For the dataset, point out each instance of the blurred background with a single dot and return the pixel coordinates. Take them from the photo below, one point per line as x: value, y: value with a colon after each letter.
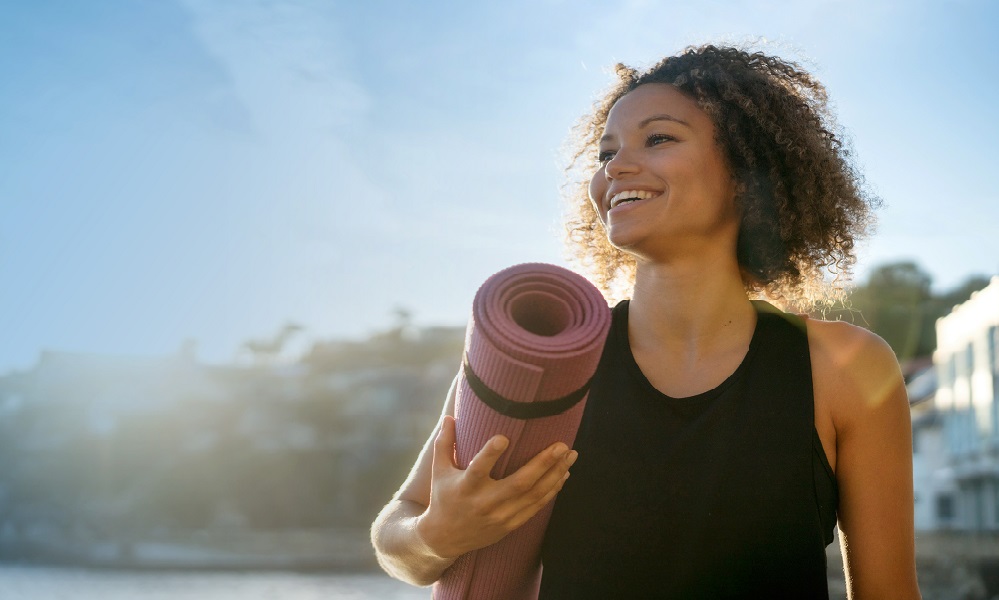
x: 239, y: 241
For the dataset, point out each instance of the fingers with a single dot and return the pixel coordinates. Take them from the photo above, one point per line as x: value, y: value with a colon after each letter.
x: 525, y: 477
x: 543, y: 492
x: 515, y: 499
x: 482, y: 463
x: 525, y: 514
x: 534, y: 484
x: 555, y: 456
x: 556, y: 474
x: 541, y: 488
x: 444, y: 445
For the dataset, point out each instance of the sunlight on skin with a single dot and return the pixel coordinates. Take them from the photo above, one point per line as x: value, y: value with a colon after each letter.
x: 866, y: 364
x: 863, y: 419
x: 875, y: 385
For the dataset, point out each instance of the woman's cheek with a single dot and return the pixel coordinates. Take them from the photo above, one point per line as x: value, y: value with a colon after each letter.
x: 597, y: 191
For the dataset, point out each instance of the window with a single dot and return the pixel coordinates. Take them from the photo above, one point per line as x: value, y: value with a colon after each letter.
x: 993, y: 338
x: 945, y: 507
x: 969, y: 360
x: 945, y: 373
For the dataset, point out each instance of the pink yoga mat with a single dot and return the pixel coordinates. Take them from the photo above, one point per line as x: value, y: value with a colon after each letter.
x: 532, y: 345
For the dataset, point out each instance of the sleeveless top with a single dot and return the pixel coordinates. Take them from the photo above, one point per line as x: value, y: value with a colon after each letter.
x: 726, y: 494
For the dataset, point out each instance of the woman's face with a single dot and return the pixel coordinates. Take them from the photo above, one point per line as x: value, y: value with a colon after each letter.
x: 663, y: 185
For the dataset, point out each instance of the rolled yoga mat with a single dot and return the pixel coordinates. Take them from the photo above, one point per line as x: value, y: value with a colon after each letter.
x: 533, y: 343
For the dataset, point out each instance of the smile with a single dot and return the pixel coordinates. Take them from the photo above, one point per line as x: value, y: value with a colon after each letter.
x: 631, y: 196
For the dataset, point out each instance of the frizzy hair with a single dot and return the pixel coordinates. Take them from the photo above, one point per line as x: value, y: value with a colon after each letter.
x: 802, y: 203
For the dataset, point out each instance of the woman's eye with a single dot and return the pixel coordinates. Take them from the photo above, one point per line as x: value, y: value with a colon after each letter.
x: 658, y: 138
x: 604, y: 156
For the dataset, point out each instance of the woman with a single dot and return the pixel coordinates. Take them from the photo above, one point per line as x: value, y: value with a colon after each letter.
x: 722, y: 439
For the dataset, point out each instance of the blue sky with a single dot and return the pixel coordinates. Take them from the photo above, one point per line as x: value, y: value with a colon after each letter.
x: 209, y: 170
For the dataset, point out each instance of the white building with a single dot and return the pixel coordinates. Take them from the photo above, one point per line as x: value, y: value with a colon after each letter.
x: 967, y: 363
x: 932, y: 476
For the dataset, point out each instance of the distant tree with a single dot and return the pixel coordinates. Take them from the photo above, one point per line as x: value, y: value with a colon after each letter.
x: 898, y: 307
x: 403, y: 318
x: 897, y: 303
x: 266, y: 350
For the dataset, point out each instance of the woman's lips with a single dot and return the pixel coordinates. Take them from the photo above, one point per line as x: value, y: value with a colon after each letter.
x: 629, y: 197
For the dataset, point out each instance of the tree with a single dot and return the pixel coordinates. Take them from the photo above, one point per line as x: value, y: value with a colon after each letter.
x: 898, y: 304
x: 265, y: 351
x: 899, y: 308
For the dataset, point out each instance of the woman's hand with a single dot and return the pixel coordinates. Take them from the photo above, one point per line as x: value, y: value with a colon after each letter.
x: 470, y: 510
x: 442, y: 512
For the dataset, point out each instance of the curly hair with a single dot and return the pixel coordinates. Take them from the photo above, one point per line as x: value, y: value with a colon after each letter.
x: 801, y: 201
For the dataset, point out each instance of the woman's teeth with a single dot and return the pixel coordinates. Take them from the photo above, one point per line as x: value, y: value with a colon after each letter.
x: 631, y: 196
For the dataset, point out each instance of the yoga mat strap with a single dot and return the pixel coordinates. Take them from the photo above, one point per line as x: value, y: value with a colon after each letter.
x: 521, y: 410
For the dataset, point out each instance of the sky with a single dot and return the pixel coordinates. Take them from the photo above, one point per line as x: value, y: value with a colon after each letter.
x: 178, y: 171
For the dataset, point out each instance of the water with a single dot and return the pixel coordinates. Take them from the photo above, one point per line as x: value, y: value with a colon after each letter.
x: 56, y: 583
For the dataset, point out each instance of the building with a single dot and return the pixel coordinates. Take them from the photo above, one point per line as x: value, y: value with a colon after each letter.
x: 933, y: 484
x: 967, y: 364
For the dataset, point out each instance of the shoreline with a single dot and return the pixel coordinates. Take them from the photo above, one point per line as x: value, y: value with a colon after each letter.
x: 291, y: 551
x: 311, y: 568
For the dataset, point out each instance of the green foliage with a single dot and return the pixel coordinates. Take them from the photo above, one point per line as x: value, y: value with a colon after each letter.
x: 897, y: 303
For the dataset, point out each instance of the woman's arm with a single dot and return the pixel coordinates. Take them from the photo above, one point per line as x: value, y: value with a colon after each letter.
x: 442, y: 512
x: 857, y: 379
x: 400, y: 550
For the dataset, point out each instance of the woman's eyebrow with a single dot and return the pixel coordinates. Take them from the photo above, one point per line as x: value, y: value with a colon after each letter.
x: 662, y: 117
x: 646, y: 121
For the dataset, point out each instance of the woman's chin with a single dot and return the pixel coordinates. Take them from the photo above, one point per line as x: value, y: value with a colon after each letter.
x: 624, y: 236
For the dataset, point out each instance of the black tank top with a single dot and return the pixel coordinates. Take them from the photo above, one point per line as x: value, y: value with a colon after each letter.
x: 727, y: 494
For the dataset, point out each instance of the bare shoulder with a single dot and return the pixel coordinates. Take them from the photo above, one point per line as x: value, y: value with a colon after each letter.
x: 841, y: 345
x: 853, y: 370
x: 862, y: 416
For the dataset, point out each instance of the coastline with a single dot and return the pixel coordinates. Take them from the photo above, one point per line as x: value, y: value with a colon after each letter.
x: 328, y: 550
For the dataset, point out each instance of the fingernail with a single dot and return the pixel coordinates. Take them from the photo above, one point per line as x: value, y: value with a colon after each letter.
x: 559, y: 451
x: 571, y: 459
x: 499, y: 443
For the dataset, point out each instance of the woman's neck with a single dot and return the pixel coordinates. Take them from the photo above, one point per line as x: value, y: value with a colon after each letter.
x: 694, y: 308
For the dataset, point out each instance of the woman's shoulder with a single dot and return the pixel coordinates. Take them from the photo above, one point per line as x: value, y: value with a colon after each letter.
x: 840, y: 345
x: 853, y: 369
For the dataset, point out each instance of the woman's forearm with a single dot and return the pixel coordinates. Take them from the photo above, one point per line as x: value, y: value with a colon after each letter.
x: 399, y: 547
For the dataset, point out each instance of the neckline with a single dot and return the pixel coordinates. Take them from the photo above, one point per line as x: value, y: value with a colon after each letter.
x: 762, y: 308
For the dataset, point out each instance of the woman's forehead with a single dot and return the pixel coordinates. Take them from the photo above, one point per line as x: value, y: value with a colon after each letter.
x: 651, y: 102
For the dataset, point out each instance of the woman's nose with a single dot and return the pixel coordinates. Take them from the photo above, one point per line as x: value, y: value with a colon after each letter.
x: 622, y: 163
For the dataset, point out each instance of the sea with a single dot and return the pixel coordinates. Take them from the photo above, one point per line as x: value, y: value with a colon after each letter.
x: 21, y: 582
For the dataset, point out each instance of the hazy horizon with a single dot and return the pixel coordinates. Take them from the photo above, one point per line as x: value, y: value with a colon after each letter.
x: 211, y: 171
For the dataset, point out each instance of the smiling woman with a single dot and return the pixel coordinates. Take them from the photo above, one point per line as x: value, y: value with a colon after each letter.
x: 723, y: 440
x: 664, y: 175
x: 778, y: 139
